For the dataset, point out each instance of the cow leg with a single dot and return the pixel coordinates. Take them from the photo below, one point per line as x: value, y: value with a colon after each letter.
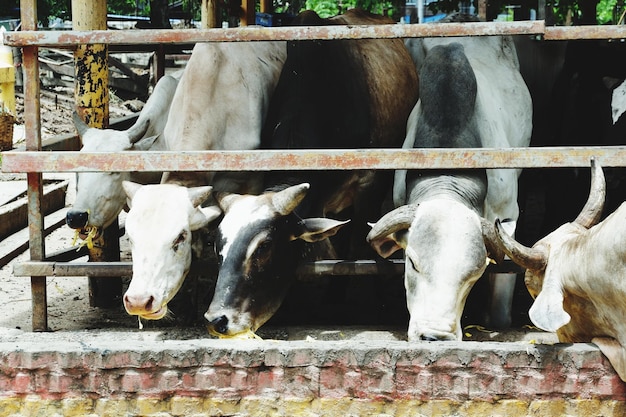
x: 501, y: 289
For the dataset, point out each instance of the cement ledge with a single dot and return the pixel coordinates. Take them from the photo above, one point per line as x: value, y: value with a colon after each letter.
x: 362, y: 370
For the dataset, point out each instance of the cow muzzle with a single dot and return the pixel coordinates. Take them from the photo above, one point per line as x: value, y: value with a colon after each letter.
x: 144, y: 306
x: 76, y: 219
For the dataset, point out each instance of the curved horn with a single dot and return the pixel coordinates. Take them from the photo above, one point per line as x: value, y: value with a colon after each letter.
x: 495, y: 251
x: 79, y: 124
x: 287, y: 200
x: 529, y: 258
x: 131, y: 188
x: 136, y: 131
x: 398, y: 219
x: 225, y: 199
x: 592, y: 211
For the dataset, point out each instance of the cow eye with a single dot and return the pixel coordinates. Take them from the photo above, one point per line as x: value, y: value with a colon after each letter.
x: 180, y: 239
x: 263, y: 251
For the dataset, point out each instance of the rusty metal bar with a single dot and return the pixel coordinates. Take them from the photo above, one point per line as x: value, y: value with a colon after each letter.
x: 32, y: 126
x: 263, y: 160
x: 317, y: 268
x: 560, y: 33
x: 60, y: 39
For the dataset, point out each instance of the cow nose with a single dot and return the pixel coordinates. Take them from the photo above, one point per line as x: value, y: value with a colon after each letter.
x: 220, y: 324
x: 76, y: 219
x: 138, y: 302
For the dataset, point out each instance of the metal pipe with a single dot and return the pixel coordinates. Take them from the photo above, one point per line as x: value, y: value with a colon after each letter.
x: 313, y: 159
x: 65, y: 39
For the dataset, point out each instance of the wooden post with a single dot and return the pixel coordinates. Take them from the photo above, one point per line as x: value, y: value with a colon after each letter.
x: 249, y: 12
x: 91, y: 93
x: 209, y: 15
x: 266, y: 6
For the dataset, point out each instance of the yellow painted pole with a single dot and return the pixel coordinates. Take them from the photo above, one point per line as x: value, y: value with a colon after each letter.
x: 91, y: 86
x: 91, y: 93
x: 7, y: 77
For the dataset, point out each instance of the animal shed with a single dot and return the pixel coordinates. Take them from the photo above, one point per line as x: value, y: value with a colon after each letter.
x: 596, y: 381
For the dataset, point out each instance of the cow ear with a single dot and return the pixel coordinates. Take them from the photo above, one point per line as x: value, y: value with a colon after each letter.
x: 203, y: 216
x: 614, y: 352
x: 130, y: 188
x: 387, y: 245
x: 319, y: 228
x: 547, y: 311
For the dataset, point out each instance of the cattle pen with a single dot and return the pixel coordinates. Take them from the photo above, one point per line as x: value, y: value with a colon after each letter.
x: 227, y: 377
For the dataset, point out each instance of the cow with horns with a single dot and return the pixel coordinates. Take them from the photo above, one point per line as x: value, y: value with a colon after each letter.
x: 220, y: 104
x: 100, y: 197
x: 471, y: 96
x: 576, y: 276
x: 332, y: 94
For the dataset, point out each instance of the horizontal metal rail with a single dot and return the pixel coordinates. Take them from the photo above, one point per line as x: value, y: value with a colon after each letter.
x: 317, y: 268
x: 61, y: 39
x: 263, y: 160
x: 70, y: 39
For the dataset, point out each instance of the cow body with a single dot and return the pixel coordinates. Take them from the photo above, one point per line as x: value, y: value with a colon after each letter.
x: 99, y: 195
x: 576, y: 275
x: 220, y: 104
x: 332, y: 94
x: 471, y: 95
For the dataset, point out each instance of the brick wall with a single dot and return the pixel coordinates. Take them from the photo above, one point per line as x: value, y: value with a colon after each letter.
x: 343, y: 378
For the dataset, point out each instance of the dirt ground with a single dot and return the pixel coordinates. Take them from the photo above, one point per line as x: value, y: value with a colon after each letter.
x: 70, y: 316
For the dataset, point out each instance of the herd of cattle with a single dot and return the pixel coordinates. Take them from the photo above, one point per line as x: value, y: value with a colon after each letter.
x: 349, y: 94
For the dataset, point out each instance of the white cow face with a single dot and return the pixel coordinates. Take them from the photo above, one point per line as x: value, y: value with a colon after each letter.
x: 159, y: 226
x: 99, y: 195
x: 445, y: 254
x: 259, y: 244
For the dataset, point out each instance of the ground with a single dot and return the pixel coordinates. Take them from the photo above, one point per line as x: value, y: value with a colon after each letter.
x: 71, y: 317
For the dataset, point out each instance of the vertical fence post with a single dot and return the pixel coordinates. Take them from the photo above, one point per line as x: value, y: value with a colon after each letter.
x: 208, y: 14
x: 91, y: 92
x: 32, y: 126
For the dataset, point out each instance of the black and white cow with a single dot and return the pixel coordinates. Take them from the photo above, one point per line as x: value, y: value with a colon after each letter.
x: 471, y: 96
x: 331, y: 94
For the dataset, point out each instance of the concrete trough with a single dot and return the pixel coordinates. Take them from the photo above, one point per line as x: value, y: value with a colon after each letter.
x: 344, y: 372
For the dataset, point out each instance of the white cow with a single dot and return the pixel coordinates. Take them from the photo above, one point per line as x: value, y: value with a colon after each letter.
x: 221, y: 104
x: 576, y: 275
x: 99, y: 195
x: 471, y: 95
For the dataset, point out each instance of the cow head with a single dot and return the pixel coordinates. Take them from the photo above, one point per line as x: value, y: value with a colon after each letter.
x: 575, y: 290
x: 446, y: 247
x: 543, y: 276
x: 99, y: 195
x: 259, y: 244
x: 159, y: 225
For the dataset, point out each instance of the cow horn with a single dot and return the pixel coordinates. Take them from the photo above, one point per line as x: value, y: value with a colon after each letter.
x: 398, y: 219
x: 79, y: 124
x: 136, y: 131
x: 529, y: 258
x: 287, y: 200
x: 198, y: 195
x: 592, y: 211
x: 225, y: 199
x: 494, y: 250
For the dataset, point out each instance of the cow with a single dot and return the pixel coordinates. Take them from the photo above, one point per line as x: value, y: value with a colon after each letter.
x: 220, y: 104
x: 471, y: 96
x: 100, y: 197
x: 331, y: 94
x: 575, y: 275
